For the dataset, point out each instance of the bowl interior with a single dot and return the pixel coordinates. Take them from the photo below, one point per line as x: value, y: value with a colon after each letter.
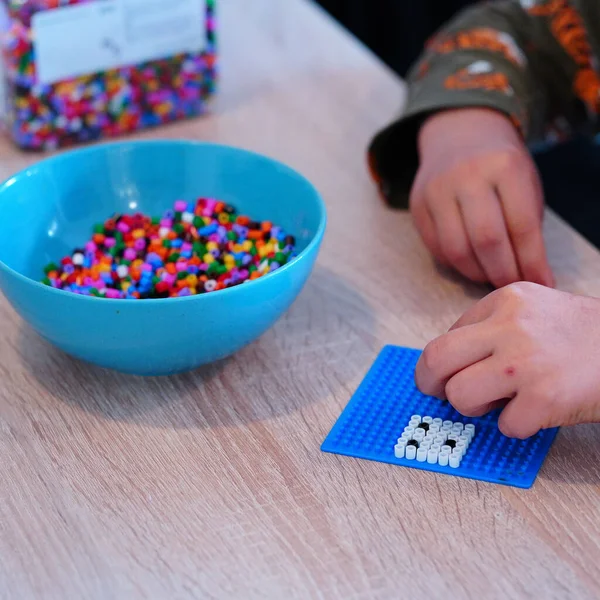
x: 49, y: 209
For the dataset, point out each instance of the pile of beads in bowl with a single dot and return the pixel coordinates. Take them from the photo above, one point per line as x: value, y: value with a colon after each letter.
x: 193, y: 249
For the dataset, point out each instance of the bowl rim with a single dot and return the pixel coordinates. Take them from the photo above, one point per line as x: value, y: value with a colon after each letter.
x: 102, y: 146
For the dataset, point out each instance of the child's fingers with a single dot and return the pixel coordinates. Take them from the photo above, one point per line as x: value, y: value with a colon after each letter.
x: 479, y: 311
x: 474, y: 391
x: 453, y: 240
x: 521, y: 417
x: 484, y: 221
x: 520, y: 195
x: 449, y: 354
x: 426, y: 228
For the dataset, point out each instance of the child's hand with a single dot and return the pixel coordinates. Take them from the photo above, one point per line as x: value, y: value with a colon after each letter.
x: 477, y: 199
x: 537, y: 347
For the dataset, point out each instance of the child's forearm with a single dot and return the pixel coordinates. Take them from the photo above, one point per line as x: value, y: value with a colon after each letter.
x: 500, y: 56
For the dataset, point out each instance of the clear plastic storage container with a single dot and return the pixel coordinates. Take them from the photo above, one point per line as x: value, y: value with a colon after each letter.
x: 80, y: 70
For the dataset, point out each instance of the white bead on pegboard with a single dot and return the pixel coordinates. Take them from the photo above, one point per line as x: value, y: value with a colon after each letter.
x: 410, y: 452
x: 443, y: 459
x: 454, y: 461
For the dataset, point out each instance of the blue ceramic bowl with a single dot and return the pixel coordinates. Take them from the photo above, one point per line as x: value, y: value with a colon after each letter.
x: 50, y: 208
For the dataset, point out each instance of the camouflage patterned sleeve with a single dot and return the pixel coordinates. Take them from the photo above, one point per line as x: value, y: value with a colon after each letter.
x: 530, y: 60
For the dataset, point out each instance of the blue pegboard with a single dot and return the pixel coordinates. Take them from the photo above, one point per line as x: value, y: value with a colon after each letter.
x: 376, y: 415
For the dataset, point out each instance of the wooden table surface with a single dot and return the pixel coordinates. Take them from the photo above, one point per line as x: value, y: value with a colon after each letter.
x: 212, y: 484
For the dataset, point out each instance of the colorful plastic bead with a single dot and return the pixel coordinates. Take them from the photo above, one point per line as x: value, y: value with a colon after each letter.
x: 139, y: 257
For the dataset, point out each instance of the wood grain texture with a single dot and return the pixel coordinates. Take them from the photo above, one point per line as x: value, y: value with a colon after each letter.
x: 211, y: 484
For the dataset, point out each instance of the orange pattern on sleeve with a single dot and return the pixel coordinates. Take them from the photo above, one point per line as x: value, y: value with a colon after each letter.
x: 482, y: 38
x: 568, y: 28
x: 491, y: 82
x: 481, y: 75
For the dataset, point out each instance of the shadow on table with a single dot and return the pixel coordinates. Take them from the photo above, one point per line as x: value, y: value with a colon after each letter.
x: 474, y: 291
x: 575, y: 456
x: 278, y: 375
x: 566, y: 271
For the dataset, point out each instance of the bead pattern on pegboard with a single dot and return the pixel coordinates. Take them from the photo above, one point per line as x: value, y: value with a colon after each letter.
x: 434, y: 441
x: 387, y: 401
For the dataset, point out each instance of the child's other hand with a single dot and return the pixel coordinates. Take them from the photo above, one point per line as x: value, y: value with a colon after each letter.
x: 477, y: 198
x: 534, y: 346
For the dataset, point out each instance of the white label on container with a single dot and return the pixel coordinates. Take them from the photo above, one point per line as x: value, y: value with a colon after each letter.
x: 86, y: 38
x: 4, y: 104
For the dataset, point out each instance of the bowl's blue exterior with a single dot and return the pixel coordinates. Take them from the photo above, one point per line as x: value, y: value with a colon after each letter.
x: 50, y: 208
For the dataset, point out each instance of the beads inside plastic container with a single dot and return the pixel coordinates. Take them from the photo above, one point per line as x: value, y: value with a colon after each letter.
x: 80, y: 70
